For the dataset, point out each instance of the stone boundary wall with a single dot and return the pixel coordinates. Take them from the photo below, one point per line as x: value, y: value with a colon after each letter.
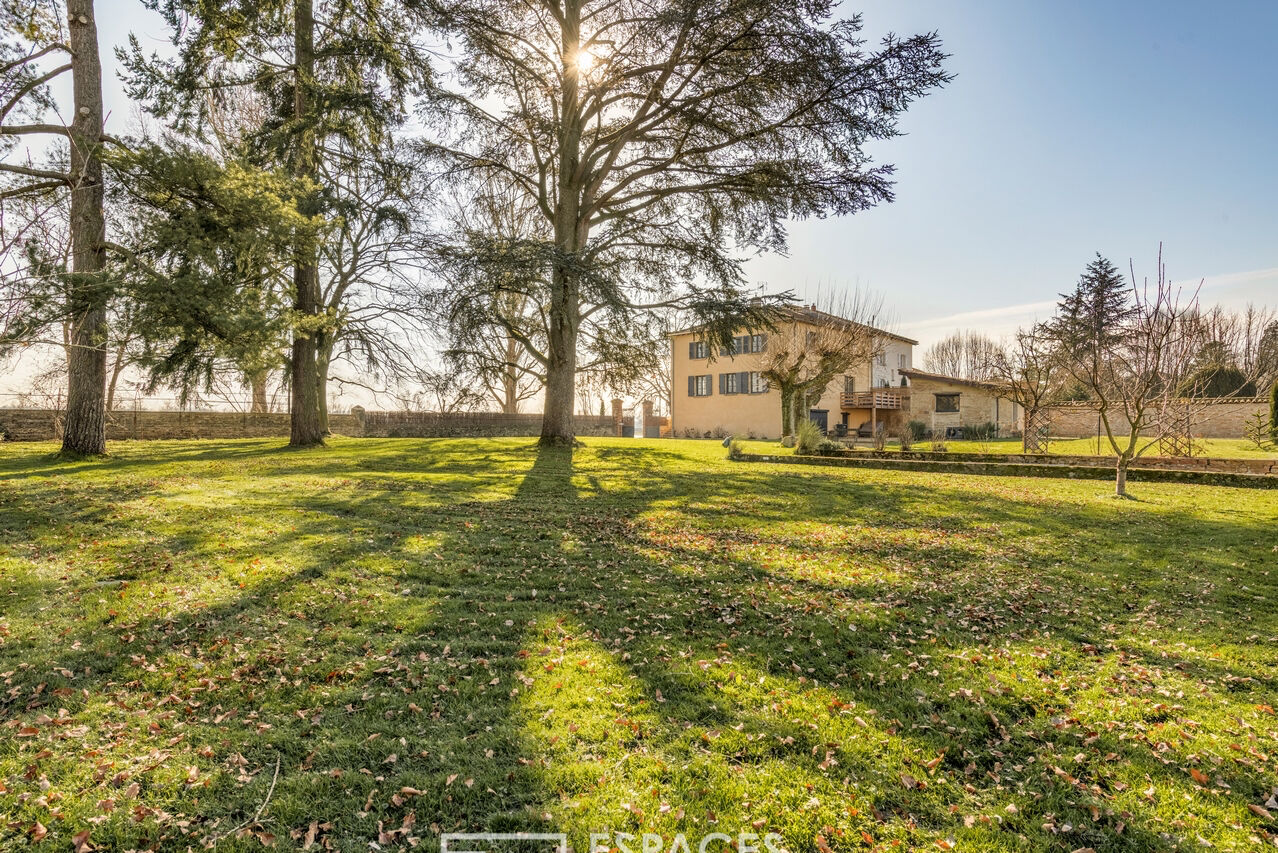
x: 1220, y: 419
x: 1006, y: 469
x: 466, y: 424
x: 46, y: 425
x: 1162, y: 463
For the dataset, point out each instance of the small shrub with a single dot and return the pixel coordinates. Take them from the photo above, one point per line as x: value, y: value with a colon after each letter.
x: 917, y: 430
x: 736, y: 449
x: 880, y: 437
x: 808, y: 437
x: 719, y: 432
x: 1273, y: 412
x: 907, y: 440
x: 827, y: 447
x: 938, y: 441
x: 1258, y: 431
x: 980, y: 432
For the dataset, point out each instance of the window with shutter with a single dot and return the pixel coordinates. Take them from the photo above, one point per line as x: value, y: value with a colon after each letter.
x: 692, y: 386
x: 723, y: 383
x: 743, y: 382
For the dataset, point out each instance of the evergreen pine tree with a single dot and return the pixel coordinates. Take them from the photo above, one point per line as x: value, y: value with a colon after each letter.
x: 335, y: 78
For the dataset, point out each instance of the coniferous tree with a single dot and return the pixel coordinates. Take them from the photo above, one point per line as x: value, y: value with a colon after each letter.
x: 335, y: 78
x: 657, y: 140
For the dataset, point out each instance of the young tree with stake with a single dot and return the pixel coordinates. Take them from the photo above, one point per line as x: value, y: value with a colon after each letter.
x: 1130, y: 347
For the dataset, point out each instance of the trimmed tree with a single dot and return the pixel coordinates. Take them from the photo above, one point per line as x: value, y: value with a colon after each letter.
x: 808, y: 348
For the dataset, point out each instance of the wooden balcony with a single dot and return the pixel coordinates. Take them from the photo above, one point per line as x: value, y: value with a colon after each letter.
x: 877, y: 399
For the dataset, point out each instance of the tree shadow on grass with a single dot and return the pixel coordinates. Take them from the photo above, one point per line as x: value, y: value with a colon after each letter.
x: 353, y: 649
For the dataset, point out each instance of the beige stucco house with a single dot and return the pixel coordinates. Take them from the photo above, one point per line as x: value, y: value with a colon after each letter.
x: 944, y: 402
x: 722, y: 393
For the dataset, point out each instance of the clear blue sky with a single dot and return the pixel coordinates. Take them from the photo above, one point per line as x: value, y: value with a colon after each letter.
x: 1070, y: 128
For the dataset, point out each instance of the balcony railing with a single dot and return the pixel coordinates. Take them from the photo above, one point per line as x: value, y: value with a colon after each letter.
x: 872, y: 400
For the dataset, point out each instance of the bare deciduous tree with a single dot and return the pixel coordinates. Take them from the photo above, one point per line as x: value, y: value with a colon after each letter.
x: 964, y: 354
x: 1027, y: 367
x: 35, y: 38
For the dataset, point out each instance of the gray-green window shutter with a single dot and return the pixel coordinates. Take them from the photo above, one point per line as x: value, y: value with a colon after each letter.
x: 692, y: 386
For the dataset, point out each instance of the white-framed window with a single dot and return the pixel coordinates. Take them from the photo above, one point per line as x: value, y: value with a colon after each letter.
x: 758, y: 385
x: 730, y: 383
x: 902, y: 360
x: 758, y: 343
x: 881, y: 359
x: 698, y: 349
x: 700, y: 386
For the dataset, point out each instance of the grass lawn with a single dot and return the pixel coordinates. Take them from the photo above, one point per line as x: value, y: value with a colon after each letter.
x: 1220, y: 448
x: 450, y: 635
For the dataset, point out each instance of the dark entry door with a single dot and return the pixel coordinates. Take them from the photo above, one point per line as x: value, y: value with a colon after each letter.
x: 820, y: 417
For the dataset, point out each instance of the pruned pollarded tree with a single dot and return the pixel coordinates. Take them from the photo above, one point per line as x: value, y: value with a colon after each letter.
x: 808, y: 348
x: 1129, y: 345
x: 657, y: 140
x: 965, y: 354
x: 40, y: 42
x: 1028, y: 369
x: 335, y: 78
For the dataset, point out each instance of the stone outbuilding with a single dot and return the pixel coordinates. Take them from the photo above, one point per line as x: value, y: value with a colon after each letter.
x: 946, y: 404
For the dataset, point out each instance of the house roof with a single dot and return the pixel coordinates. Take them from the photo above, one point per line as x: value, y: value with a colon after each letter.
x: 913, y: 374
x: 811, y: 314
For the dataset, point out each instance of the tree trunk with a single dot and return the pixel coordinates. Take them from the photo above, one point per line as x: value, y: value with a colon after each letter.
x: 787, y: 412
x: 85, y: 429
x: 510, y: 379
x: 257, y: 382
x: 557, y: 427
x: 307, y: 428
x: 323, y: 357
x: 117, y: 367
x: 1120, y: 478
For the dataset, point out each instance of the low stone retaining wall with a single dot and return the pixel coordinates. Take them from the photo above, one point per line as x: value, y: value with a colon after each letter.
x: 1162, y: 463
x: 1010, y: 469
